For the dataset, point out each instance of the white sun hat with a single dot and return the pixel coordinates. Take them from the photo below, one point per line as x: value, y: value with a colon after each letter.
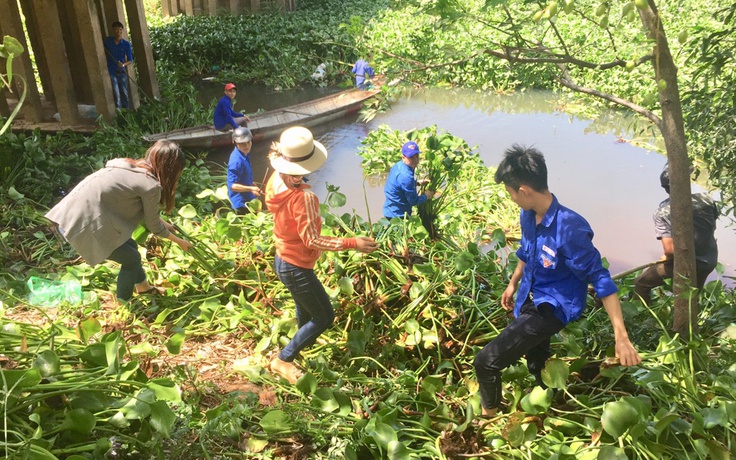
x: 297, y: 153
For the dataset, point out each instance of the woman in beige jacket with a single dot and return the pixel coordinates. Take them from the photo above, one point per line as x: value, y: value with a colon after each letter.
x: 99, y: 215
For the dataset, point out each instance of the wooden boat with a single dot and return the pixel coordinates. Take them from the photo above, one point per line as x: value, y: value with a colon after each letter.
x: 272, y: 123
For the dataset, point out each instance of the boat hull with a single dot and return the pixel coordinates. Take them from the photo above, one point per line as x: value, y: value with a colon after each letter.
x: 270, y: 124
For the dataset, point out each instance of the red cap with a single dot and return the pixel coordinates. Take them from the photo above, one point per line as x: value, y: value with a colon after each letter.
x: 230, y: 86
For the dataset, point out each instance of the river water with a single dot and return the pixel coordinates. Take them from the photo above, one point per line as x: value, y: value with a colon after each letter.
x: 613, y: 184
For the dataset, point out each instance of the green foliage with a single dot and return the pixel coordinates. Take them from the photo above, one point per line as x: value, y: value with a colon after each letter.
x: 67, y: 397
x: 278, y: 49
x: 11, y: 48
x: 708, y: 102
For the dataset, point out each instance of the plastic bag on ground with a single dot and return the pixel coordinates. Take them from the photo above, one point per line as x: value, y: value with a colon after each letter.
x: 49, y: 293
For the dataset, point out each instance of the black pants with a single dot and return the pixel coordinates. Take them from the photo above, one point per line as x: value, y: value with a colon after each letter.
x: 131, y: 268
x: 528, y: 335
x: 656, y: 275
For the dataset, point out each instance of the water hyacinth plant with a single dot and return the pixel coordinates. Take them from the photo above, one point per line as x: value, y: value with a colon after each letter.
x: 392, y: 378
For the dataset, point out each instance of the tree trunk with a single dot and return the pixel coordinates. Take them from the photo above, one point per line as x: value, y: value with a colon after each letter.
x: 673, y: 132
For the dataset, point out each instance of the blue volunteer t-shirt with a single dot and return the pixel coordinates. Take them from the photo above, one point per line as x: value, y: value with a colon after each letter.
x: 117, y: 52
x: 239, y: 171
x: 362, y: 69
x: 401, y: 191
x: 560, y: 262
x: 224, y: 113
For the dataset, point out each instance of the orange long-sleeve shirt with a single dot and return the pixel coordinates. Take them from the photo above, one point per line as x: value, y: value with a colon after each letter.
x: 298, y: 224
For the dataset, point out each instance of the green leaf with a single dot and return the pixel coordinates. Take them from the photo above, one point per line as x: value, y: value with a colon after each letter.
x: 464, y: 261
x: 139, y: 407
x: 537, y: 401
x: 618, y: 417
x: 346, y: 285
x: 187, y: 211
x: 12, y: 45
x: 275, y: 421
x: 555, y: 373
x: 384, y: 434
x: 15, y: 380
x: 175, y: 342
x: 256, y: 445
x: 80, y: 421
x: 713, y: 417
x: 14, y: 194
x: 325, y: 400
x: 397, y: 451
x: 307, y: 384
x: 336, y: 200
x: 424, y: 269
x: 87, y: 328
x: 162, y: 418
x: 513, y: 432
x: 47, y: 363
x: 411, y: 326
x: 165, y: 389
x: 357, y: 342
x: 612, y: 453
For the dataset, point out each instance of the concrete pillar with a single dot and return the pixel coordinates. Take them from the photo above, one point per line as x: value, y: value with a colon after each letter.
x: 96, y: 62
x: 11, y: 24
x: 34, y: 35
x: 54, y: 57
x: 73, y: 44
x: 147, y: 81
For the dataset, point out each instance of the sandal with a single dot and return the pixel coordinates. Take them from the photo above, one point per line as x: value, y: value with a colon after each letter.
x: 285, y: 370
x: 154, y: 291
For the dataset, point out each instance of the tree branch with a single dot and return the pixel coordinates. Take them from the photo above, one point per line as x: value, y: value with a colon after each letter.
x: 566, y: 81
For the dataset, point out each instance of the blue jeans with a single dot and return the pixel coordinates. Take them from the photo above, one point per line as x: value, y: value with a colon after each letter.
x: 131, y: 268
x: 528, y: 335
x: 314, y: 313
x: 120, y: 89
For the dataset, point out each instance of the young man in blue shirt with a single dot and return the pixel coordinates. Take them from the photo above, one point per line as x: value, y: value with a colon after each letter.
x: 240, y: 186
x: 225, y: 118
x: 401, y: 186
x: 119, y: 55
x: 557, y: 261
x: 363, y: 74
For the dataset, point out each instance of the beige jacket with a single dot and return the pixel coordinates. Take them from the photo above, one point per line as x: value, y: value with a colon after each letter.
x: 103, y: 210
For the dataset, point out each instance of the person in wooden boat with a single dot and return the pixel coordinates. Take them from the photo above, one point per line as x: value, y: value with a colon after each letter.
x: 557, y: 261
x: 299, y: 243
x: 99, y: 215
x: 119, y: 56
x: 240, y: 186
x: 705, y: 215
x: 225, y: 118
x: 363, y: 74
x: 401, y: 185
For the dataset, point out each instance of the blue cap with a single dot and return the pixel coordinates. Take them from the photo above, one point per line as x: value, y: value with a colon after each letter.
x: 410, y: 149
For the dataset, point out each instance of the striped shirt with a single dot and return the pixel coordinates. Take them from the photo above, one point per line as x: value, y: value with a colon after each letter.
x: 298, y: 224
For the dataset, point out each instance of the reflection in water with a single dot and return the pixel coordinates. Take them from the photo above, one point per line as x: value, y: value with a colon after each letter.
x: 613, y: 184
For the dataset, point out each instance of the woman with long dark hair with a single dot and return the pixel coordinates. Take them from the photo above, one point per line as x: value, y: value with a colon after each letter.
x: 99, y: 215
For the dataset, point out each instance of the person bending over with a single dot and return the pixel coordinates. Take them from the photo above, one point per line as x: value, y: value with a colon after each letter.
x: 99, y: 215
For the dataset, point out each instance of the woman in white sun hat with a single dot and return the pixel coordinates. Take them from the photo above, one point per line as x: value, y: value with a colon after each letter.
x: 297, y: 230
